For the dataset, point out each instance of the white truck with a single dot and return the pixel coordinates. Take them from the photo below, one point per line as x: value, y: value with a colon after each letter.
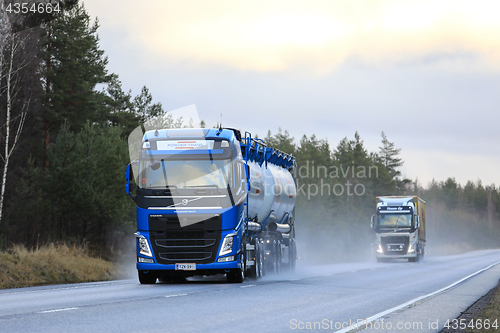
x: 399, y: 226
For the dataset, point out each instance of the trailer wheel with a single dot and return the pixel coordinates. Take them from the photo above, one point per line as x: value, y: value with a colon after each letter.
x: 293, y: 255
x: 277, y: 258
x: 269, y: 257
x: 262, y: 261
x: 147, y: 277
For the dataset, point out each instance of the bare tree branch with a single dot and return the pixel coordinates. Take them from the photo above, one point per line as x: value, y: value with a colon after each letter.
x: 14, y: 85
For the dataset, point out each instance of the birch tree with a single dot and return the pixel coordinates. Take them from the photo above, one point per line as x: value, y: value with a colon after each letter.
x: 11, y: 64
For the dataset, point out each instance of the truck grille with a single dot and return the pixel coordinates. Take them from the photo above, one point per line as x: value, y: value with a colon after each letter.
x: 193, y: 256
x: 173, y: 243
x: 196, y: 243
x: 395, y: 245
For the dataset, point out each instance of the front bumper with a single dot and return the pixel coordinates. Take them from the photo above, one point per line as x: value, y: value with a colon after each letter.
x: 201, y: 269
x: 395, y: 256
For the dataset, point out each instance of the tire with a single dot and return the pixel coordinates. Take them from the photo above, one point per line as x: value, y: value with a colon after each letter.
x: 262, y: 250
x: 293, y: 256
x: 277, y: 258
x: 422, y: 252
x: 147, y: 277
x: 255, y: 272
x: 236, y: 275
x: 412, y: 259
x: 269, y: 255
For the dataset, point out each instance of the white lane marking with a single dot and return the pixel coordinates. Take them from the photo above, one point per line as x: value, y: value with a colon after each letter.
x: 415, y: 300
x: 87, y: 285
x: 175, y: 295
x: 58, y: 310
x: 250, y: 285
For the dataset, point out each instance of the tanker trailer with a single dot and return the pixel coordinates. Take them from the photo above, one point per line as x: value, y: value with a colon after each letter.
x: 210, y: 201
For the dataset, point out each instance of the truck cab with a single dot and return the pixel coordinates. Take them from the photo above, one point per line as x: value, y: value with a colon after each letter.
x: 399, y: 225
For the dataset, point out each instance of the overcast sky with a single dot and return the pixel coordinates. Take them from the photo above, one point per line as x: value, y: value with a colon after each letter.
x: 427, y: 73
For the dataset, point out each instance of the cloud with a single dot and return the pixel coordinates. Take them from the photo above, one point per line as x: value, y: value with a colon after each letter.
x: 316, y: 35
x: 440, y: 165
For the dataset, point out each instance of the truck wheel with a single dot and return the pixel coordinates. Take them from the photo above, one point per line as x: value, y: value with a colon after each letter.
x: 421, y: 252
x: 277, y: 258
x: 236, y: 275
x: 262, y: 268
x: 255, y: 271
x: 293, y: 256
x: 269, y: 257
x: 147, y: 277
x: 412, y: 259
x: 259, y: 260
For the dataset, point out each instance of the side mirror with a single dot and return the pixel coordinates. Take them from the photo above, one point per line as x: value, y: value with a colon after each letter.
x: 127, y: 181
x: 247, y: 176
x: 417, y: 220
x: 373, y: 221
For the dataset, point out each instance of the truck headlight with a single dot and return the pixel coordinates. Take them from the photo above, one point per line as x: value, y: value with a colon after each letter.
x: 411, y: 248
x: 226, y: 259
x: 227, y: 245
x: 143, y: 245
x: 379, y: 249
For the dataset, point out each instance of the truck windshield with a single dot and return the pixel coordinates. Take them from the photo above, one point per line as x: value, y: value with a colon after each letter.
x: 185, y: 173
x: 394, y: 220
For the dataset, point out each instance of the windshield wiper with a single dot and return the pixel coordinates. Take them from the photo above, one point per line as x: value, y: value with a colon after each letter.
x: 212, y: 185
x: 168, y: 187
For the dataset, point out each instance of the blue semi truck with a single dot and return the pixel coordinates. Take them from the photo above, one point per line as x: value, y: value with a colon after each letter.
x: 211, y: 201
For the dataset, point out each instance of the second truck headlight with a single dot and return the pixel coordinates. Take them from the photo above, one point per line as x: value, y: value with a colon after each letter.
x: 227, y: 245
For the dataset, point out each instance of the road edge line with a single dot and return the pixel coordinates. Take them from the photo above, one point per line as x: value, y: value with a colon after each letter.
x: 413, y: 301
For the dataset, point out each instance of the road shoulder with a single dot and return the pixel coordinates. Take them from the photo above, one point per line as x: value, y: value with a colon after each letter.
x: 431, y: 314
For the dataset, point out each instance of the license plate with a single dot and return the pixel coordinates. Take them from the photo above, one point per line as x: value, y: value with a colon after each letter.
x: 185, y: 267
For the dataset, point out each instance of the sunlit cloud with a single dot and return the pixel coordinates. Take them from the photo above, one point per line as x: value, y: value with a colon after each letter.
x: 316, y: 35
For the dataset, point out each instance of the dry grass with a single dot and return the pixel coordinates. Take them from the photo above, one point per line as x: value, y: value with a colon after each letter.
x: 490, y: 314
x: 52, y: 264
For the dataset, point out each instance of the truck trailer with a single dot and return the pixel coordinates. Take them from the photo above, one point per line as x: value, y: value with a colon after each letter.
x: 399, y: 225
x: 211, y: 201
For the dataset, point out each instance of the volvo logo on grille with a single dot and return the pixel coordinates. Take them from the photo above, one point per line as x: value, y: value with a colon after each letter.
x: 184, y: 201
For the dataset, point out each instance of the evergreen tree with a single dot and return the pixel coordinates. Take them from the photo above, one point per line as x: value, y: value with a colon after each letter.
x: 282, y: 141
x: 144, y: 106
x: 388, y: 156
x: 79, y: 197
x: 451, y: 193
x: 74, y: 66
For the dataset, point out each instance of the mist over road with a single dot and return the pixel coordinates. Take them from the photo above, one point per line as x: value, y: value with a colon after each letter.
x: 326, y: 296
